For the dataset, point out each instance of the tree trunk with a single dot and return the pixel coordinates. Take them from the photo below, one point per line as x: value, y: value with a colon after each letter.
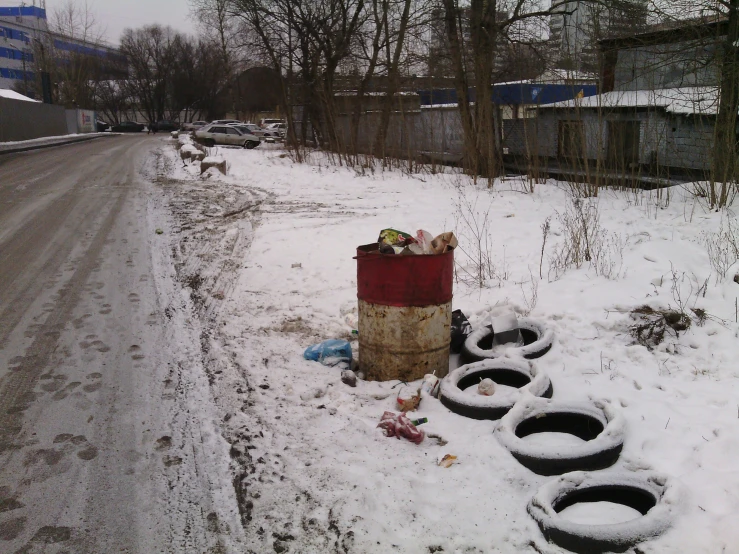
x: 364, y: 83
x: 470, y: 153
x: 484, y: 34
x: 725, y: 146
x: 393, y: 79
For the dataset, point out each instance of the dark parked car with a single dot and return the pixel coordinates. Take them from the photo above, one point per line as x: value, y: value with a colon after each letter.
x: 165, y: 125
x: 102, y: 126
x: 128, y: 127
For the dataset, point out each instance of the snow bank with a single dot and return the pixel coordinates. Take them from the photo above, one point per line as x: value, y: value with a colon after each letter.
x: 12, y: 95
x: 326, y: 466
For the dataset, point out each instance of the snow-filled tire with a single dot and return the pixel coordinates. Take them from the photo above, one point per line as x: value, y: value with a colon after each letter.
x: 537, y: 337
x: 651, y: 494
x: 521, y: 374
x: 602, y: 426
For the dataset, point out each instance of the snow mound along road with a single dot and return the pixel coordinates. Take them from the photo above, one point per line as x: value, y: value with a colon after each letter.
x: 514, y: 378
x: 650, y: 494
x: 538, y: 340
x: 601, y: 428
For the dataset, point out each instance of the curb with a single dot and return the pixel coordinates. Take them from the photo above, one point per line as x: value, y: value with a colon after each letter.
x: 60, y: 142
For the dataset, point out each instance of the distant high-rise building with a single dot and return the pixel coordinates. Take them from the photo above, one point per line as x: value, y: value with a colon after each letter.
x: 25, y: 38
x: 576, y: 28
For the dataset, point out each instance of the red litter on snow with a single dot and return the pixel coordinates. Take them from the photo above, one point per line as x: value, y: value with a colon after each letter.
x: 398, y: 425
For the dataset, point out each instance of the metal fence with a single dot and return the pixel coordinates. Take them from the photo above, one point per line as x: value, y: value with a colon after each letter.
x: 21, y: 120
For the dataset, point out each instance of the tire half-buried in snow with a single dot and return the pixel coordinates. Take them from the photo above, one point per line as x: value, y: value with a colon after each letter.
x: 651, y: 494
x: 537, y: 340
x: 598, y: 424
x: 516, y: 374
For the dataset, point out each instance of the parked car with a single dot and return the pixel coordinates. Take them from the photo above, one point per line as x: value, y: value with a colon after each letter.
x: 102, y: 126
x: 225, y: 121
x: 128, y: 127
x: 164, y: 125
x: 194, y: 125
x: 279, y: 128
x: 263, y: 123
x: 253, y: 129
x: 214, y: 134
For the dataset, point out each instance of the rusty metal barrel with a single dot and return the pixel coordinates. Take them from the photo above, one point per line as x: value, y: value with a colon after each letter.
x: 405, y: 314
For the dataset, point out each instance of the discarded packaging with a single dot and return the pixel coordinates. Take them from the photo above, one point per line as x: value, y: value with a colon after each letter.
x: 408, y: 399
x: 393, y: 237
x: 424, y: 239
x: 331, y: 352
x: 419, y: 421
x: 486, y: 387
x: 348, y: 377
x: 506, y: 331
x: 443, y: 243
x: 461, y: 328
x: 430, y: 385
x: 394, y: 242
x: 398, y: 425
x: 294, y: 266
x: 447, y: 460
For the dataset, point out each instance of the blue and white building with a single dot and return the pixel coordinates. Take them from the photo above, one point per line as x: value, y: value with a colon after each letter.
x: 25, y: 34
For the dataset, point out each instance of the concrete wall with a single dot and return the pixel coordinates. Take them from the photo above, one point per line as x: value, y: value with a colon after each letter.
x: 21, y: 120
x: 402, y: 135
x: 682, y: 64
x: 665, y: 140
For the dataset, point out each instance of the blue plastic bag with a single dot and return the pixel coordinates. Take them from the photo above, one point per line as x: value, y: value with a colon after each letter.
x: 330, y: 352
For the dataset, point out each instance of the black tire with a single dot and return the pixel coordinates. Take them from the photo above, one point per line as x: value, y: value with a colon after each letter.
x: 504, y: 371
x: 210, y: 143
x: 537, y: 338
x: 599, y: 424
x: 651, y: 494
x: 250, y: 144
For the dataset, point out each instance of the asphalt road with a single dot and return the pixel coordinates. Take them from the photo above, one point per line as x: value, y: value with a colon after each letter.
x: 103, y: 407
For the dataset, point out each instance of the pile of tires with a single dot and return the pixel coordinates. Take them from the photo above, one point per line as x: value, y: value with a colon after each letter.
x: 652, y: 495
x: 526, y: 409
x: 537, y: 341
x: 599, y: 425
x: 518, y: 374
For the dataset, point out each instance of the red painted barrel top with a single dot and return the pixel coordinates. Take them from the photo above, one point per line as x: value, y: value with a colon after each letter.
x: 391, y: 280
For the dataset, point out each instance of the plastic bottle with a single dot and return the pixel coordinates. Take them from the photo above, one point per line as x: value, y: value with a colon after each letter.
x: 430, y: 384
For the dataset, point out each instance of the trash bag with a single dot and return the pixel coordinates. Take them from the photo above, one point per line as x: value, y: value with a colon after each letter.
x: 330, y: 352
x: 460, y: 329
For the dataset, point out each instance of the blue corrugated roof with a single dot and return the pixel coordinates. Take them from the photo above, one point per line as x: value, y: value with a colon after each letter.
x: 30, y: 11
x: 515, y: 93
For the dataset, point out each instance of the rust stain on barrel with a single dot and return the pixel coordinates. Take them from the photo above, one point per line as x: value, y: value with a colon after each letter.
x: 403, y: 342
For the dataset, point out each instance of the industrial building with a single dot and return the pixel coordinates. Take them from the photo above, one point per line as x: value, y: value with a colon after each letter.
x: 25, y: 39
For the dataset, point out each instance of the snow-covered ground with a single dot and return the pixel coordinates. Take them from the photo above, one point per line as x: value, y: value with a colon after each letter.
x: 315, y: 473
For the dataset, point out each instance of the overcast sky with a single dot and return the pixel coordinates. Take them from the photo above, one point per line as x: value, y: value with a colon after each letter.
x: 116, y: 15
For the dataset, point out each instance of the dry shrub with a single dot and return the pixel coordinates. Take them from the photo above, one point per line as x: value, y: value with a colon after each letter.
x: 722, y: 247
x: 586, y: 241
x: 652, y: 324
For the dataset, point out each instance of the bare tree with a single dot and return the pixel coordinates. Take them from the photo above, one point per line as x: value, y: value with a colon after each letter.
x: 152, y: 54
x: 217, y: 24
x: 75, y: 71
